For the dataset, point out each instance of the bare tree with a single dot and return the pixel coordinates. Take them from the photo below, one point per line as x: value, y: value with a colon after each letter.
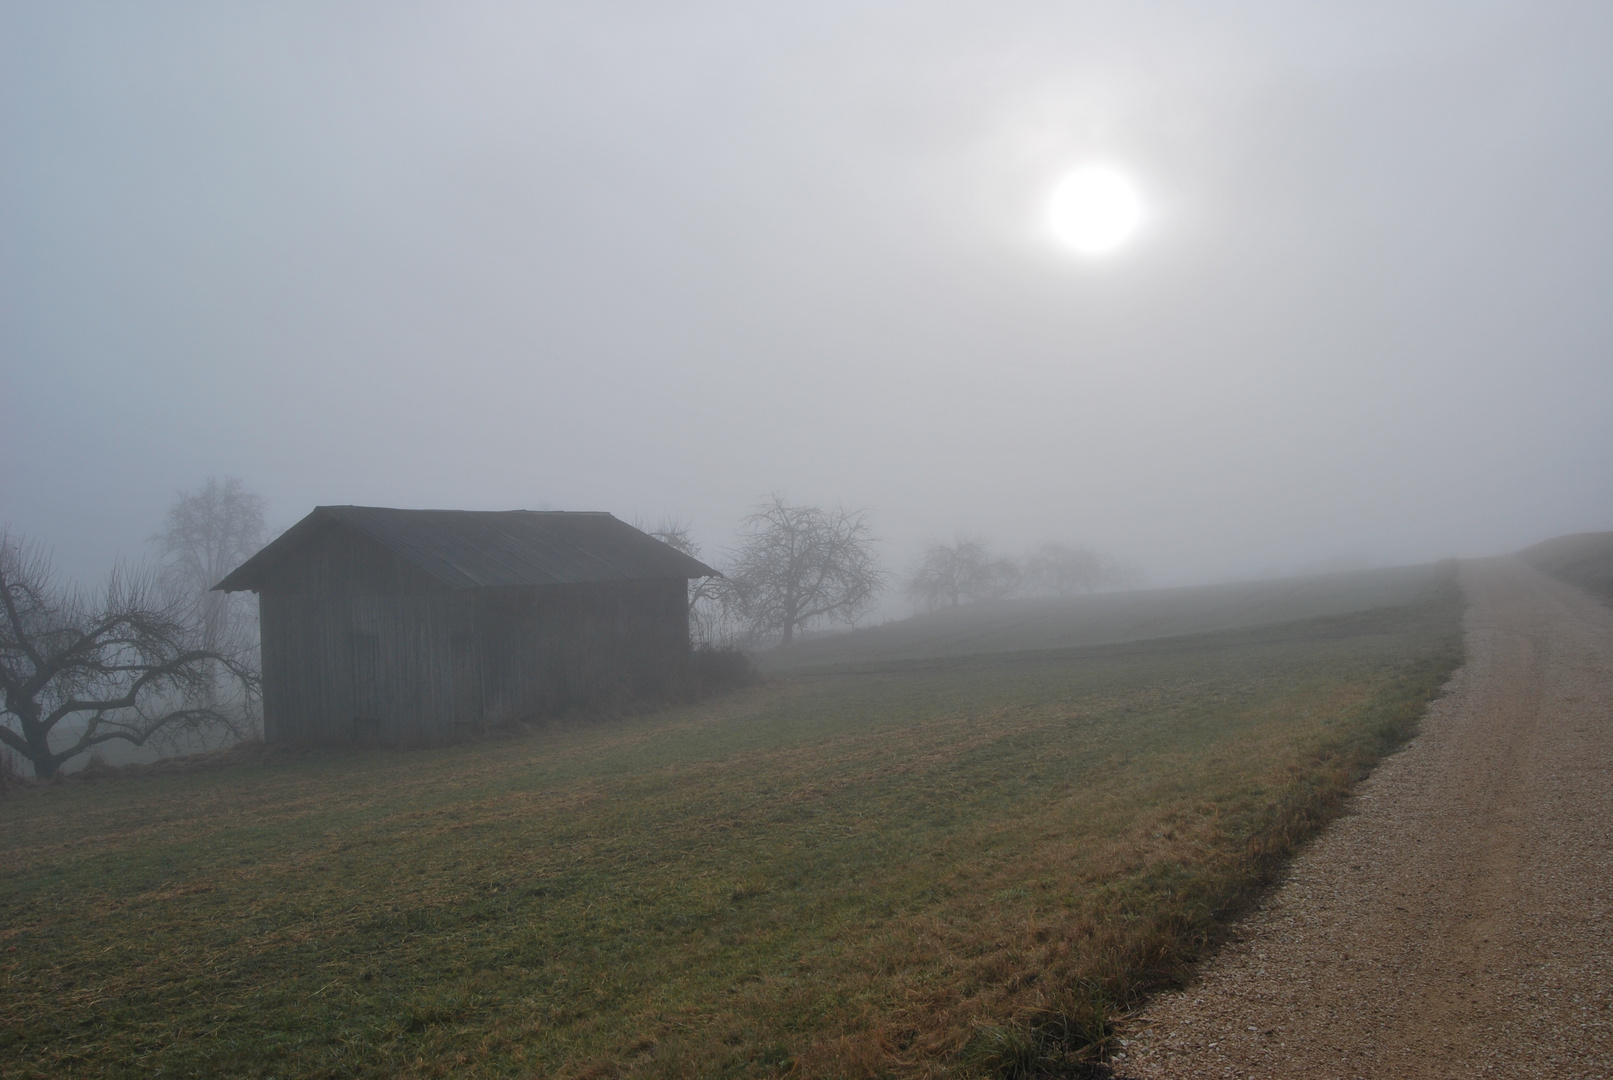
x: 963, y: 570
x: 797, y: 566
x: 1060, y: 570
x: 712, y: 600
x: 209, y: 533
x: 131, y: 665
x: 949, y: 573
x: 1003, y: 577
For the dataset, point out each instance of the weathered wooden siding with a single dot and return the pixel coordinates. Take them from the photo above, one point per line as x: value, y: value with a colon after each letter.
x: 548, y: 649
x: 360, y: 645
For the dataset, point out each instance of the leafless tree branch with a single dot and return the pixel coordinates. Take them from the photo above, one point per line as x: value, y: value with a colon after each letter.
x: 796, y: 566
x: 134, y: 664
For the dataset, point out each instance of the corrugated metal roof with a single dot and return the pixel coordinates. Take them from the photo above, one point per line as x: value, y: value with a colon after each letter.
x: 468, y: 549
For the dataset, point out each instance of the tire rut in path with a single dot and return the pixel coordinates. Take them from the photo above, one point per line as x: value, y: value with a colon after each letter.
x: 1459, y: 921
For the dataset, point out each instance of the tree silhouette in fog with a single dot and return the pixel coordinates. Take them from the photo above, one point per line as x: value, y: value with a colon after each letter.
x: 209, y: 533
x: 1060, y: 570
x: 132, y: 663
x: 798, y: 566
x: 962, y: 570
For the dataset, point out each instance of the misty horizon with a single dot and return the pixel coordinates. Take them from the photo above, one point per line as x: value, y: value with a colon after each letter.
x: 664, y: 262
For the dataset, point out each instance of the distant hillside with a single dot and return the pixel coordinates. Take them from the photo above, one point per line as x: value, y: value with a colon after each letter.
x: 1583, y: 559
x: 1104, y: 618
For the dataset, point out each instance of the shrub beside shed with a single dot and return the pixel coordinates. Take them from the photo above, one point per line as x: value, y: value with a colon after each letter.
x: 401, y: 626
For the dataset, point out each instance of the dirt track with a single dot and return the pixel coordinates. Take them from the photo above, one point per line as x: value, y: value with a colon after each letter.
x: 1460, y: 921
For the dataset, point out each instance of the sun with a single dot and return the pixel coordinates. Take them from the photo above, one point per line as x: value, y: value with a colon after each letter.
x: 1095, y: 210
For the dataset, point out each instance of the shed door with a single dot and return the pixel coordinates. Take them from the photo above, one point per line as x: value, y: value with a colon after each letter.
x: 366, y: 686
x: 467, y: 681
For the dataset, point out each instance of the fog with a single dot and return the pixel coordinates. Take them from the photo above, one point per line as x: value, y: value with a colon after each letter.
x: 662, y: 261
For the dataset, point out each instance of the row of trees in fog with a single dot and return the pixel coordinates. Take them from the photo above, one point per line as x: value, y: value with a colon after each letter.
x: 796, y: 568
x: 153, y: 657
x: 965, y: 571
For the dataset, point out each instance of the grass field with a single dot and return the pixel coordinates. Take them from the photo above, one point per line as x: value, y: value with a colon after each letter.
x: 955, y: 867
x: 1019, y: 623
x: 1584, y: 560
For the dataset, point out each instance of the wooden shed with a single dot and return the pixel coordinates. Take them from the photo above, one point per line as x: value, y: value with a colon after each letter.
x: 420, y: 625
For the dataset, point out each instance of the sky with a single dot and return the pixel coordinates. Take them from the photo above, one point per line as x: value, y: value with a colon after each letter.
x: 663, y: 259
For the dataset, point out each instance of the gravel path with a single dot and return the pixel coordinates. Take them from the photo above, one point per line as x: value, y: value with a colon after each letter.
x: 1459, y: 922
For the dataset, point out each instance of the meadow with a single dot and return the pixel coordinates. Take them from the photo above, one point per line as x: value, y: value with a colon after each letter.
x: 1021, y: 623
x: 959, y: 866
x: 1584, y: 560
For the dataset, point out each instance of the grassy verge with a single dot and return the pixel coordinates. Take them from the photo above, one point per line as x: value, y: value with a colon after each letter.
x: 1584, y: 560
x: 946, y: 868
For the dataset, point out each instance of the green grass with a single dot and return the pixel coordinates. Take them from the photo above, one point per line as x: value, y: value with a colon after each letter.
x: 930, y: 868
x: 1070, y: 622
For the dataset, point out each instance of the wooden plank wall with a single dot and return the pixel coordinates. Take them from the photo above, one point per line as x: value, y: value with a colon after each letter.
x: 360, y: 645
x: 547, y: 650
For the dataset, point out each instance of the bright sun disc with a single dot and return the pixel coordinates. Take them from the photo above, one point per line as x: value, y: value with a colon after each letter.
x: 1095, y: 210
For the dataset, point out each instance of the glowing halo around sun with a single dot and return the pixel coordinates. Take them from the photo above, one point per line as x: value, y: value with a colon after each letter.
x: 1095, y: 210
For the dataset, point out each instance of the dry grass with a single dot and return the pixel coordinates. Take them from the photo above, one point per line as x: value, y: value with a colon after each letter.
x: 1583, y: 559
x: 1080, y: 621
x: 949, y: 868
